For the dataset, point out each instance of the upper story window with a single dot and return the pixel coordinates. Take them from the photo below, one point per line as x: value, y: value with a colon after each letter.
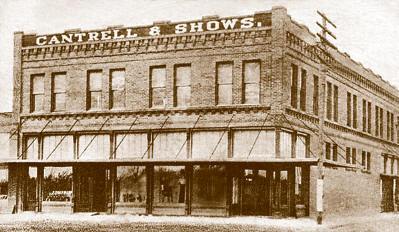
x: 381, y: 122
x: 251, y: 82
x: 37, y: 93
x: 351, y: 110
x: 328, y: 150
x: 350, y: 155
x: 369, y: 117
x: 331, y: 151
x: 58, y: 92
x: 224, y: 80
x: 354, y: 101
x: 302, y: 93
x: 335, y: 104
x: 315, y: 95
x: 397, y: 129
x: 294, y: 85
x: 366, y: 116
x: 94, y: 90
x: 158, y: 86
x: 118, y: 89
x: 329, y: 100
x: 366, y: 159
x: 377, y: 121
x: 348, y: 109
x: 182, y: 90
x: 332, y: 102
x: 390, y: 125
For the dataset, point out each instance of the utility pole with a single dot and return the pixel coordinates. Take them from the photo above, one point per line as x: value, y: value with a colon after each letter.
x: 324, y: 69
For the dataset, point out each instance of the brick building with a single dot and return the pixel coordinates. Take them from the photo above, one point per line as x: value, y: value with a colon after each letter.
x: 221, y: 116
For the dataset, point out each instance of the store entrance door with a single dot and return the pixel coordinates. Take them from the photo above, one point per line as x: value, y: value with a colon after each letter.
x: 254, y: 192
x: 258, y: 191
x: 387, y: 204
x: 90, y: 189
x: 280, y: 193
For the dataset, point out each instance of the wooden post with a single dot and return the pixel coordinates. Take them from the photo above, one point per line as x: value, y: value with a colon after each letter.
x: 150, y: 187
x: 189, y: 188
x: 75, y: 188
x: 291, y: 191
x: 268, y: 191
x: 111, y: 190
x: 39, y: 189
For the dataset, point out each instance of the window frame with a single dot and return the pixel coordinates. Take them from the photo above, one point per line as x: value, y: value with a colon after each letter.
x: 112, y: 91
x: 244, y: 83
x: 152, y: 88
x: 217, y: 84
x: 34, y: 94
x: 89, y: 91
x: 54, y: 93
x: 176, y: 87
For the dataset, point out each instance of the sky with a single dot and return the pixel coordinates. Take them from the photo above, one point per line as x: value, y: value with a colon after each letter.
x: 367, y: 30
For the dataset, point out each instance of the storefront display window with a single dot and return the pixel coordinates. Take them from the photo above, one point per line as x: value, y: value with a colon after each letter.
x: 169, y: 190
x: 57, y: 189
x: 209, y: 190
x: 131, y: 189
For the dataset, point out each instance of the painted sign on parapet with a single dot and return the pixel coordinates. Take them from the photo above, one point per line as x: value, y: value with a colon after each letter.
x: 258, y: 20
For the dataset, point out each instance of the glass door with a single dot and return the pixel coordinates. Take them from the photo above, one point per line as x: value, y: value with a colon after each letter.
x: 254, y: 192
x: 30, y: 193
x: 279, y: 193
x: 90, y: 190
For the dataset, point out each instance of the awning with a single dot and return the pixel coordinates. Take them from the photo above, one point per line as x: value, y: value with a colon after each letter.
x: 294, y: 161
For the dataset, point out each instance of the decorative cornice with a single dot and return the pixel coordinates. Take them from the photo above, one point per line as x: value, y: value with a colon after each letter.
x: 337, y: 127
x: 237, y: 37
x: 318, y: 55
x: 148, y: 112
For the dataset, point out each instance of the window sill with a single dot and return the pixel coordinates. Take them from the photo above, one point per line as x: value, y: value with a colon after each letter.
x: 352, y: 169
x: 365, y: 171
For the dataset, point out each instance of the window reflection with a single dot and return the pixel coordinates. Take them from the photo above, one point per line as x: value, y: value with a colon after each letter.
x: 3, y: 190
x: 209, y: 190
x: 169, y: 189
x: 131, y: 184
x: 57, y: 184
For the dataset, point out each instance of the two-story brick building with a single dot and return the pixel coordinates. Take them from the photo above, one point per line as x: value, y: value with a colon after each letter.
x: 222, y: 116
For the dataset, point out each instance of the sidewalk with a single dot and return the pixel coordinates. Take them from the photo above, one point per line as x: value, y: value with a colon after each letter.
x: 84, y: 221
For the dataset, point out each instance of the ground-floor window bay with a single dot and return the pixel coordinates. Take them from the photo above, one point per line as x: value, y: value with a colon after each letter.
x: 219, y: 189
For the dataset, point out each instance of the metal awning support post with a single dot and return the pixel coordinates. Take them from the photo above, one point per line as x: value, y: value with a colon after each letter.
x: 91, y: 141
x: 152, y: 141
x: 124, y: 136
x: 220, y: 138
x: 62, y: 139
x: 181, y: 148
x: 41, y: 131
